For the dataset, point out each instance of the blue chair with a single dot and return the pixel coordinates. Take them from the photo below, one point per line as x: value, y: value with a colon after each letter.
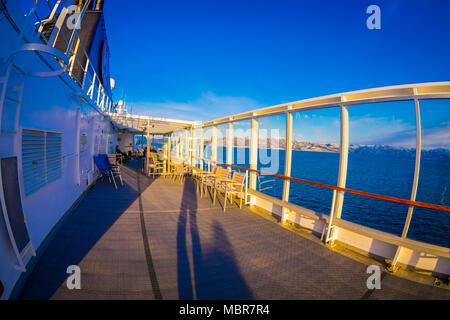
x: 105, y: 171
x: 113, y: 168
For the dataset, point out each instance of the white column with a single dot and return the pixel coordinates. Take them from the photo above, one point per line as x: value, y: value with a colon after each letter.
x: 193, y: 153
x: 254, y: 153
x: 230, y: 144
x: 415, y: 181
x: 214, y: 143
x: 202, y: 143
x: 148, y: 148
x: 338, y: 196
x: 186, y: 145
x: 287, y: 163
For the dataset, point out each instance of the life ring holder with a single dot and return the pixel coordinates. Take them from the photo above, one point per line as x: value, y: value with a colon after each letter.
x: 38, y: 47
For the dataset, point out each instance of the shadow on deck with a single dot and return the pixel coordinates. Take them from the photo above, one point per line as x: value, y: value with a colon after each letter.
x: 156, y: 239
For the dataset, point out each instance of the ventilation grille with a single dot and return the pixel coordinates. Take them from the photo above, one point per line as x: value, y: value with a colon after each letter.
x: 41, y: 159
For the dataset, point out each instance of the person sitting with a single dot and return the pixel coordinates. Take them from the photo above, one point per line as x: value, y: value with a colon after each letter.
x: 124, y: 155
x: 152, y: 149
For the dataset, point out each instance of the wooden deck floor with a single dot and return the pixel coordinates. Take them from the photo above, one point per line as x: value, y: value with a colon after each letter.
x: 156, y: 239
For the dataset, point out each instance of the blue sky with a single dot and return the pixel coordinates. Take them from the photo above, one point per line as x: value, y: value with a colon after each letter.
x: 200, y: 60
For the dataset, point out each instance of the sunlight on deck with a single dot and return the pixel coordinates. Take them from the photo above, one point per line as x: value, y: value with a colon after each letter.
x: 157, y: 239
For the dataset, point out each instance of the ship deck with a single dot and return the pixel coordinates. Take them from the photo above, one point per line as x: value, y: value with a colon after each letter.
x: 157, y: 239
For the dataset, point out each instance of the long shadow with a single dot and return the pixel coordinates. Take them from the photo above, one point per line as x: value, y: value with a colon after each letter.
x: 82, y: 228
x: 188, y: 206
x: 215, y: 270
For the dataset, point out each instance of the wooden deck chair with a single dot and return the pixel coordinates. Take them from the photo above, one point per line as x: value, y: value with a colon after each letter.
x: 236, y: 185
x: 207, y: 180
x: 178, y: 172
x: 154, y: 167
x: 220, y: 178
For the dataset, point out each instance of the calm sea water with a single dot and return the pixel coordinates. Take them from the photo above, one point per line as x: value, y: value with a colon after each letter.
x: 384, y: 174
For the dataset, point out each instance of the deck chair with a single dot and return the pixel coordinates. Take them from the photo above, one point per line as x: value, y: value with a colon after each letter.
x: 206, y: 179
x: 154, y: 166
x: 197, y: 176
x: 113, y: 167
x: 236, y: 185
x: 178, y: 172
x: 104, y: 170
x: 221, y: 177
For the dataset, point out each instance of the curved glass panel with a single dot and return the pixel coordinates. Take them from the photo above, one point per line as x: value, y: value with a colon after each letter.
x: 381, y: 160
x: 427, y: 225
x: 241, y: 144
x: 271, y: 154
x: 315, y: 157
x: 222, y: 131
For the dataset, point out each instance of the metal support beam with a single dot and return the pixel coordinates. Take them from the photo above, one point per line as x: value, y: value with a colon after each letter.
x: 253, y: 153
x: 393, y: 266
x: 169, y: 150
x: 193, y: 153
x: 338, y: 197
x: 186, y: 146
x: 147, y: 156
x: 287, y: 164
x: 202, y: 143
x: 214, y: 143
x: 230, y: 144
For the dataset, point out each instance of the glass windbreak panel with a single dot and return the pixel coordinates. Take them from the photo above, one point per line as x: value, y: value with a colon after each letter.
x: 139, y: 143
x: 222, y: 143
x: 315, y: 157
x: 241, y: 144
x: 176, y: 146
x: 271, y: 154
x: 433, y: 226
x: 207, y: 133
x: 157, y: 142
x: 197, y: 146
x: 381, y: 161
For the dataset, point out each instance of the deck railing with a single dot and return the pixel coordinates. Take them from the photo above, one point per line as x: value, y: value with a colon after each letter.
x: 414, y: 92
x: 58, y: 31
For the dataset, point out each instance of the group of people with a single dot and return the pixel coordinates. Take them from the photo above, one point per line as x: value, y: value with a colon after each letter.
x: 152, y: 149
x: 126, y: 156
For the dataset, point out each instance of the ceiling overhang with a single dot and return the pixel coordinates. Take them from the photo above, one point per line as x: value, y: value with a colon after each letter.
x: 137, y: 124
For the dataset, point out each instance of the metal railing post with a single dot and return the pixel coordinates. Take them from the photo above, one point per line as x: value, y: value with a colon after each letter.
x: 214, y: 143
x: 338, y: 196
x: 147, y: 156
x: 186, y: 145
x: 202, y: 142
x: 230, y: 144
x: 287, y: 164
x: 253, y: 153
x: 193, y: 154
x: 393, y: 267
